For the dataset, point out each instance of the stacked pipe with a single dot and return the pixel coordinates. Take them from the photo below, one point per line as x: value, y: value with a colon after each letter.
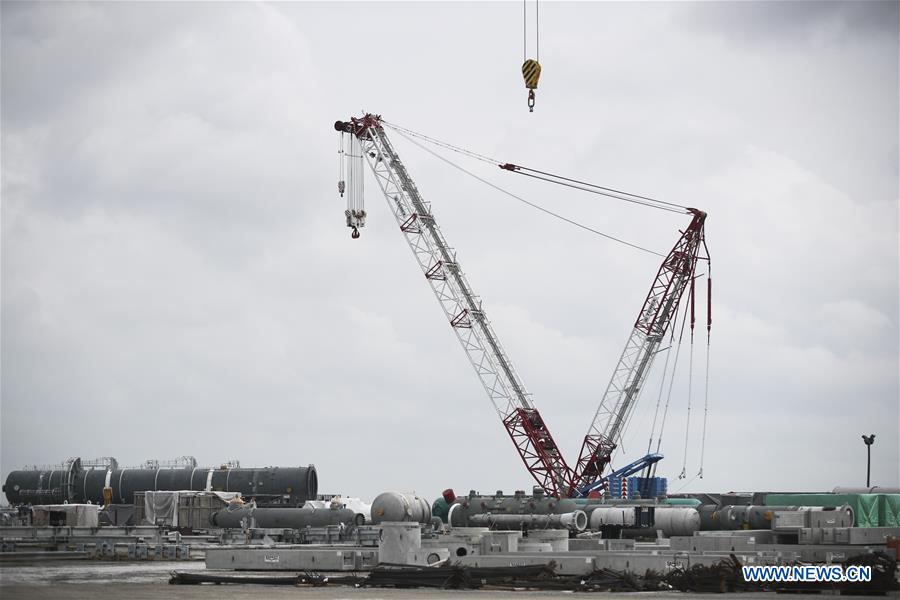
x: 284, y: 518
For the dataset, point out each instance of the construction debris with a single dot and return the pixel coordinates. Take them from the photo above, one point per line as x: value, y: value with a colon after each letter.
x: 724, y: 576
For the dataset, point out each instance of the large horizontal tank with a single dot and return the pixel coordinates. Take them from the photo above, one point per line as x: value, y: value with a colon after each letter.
x: 291, y: 486
x: 710, y: 517
x: 676, y: 520
x: 616, y: 516
x: 396, y: 506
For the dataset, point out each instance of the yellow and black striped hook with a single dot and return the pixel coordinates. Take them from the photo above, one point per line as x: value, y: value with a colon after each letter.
x: 531, y: 71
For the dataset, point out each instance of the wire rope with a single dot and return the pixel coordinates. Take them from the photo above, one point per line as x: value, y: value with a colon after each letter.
x: 585, y: 188
x: 705, y: 412
x: 437, y: 142
x: 527, y: 202
x: 671, y: 382
x: 524, y: 30
x: 548, y: 177
x: 600, y: 187
x: 662, y: 387
x: 687, y: 425
x: 686, y: 483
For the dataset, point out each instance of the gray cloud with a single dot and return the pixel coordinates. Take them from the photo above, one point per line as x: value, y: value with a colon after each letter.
x: 176, y: 277
x: 804, y: 20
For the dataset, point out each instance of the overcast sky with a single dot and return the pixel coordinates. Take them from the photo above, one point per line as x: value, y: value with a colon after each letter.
x: 177, y: 277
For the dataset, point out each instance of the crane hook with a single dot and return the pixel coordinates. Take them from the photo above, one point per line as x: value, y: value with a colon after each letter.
x: 355, y: 233
x: 531, y: 72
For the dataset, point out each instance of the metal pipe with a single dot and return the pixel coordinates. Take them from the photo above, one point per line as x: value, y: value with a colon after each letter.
x: 574, y: 521
x: 518, y: 504
x: 285, y: 518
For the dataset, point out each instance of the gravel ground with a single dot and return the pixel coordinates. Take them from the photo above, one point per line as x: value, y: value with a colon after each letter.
x: 87, y: 580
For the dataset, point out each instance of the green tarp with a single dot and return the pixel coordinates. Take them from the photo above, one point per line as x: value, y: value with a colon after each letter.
x: 683, y: 502
x: 890, y: 510
x: 869, y: 510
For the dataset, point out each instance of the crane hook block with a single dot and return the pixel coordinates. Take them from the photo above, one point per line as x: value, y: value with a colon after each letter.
x: 355, y: 233
x: 531, y: 71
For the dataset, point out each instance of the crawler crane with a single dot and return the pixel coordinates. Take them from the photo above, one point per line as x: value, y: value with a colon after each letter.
x: 466, y: 315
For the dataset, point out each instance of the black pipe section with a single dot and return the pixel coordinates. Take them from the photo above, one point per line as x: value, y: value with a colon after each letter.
x: 289, y: 486
x: 285, y: 518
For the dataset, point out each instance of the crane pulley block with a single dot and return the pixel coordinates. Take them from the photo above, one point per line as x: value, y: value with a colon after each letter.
x: 531, y: 71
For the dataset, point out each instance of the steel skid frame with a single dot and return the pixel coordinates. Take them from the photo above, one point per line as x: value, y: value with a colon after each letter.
x: 463, y: 310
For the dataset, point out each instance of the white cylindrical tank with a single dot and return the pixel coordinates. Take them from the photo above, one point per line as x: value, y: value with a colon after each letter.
x: 623, y: 516
x: 676, y: 520
x: 576, y: 520
x: 397, y: 506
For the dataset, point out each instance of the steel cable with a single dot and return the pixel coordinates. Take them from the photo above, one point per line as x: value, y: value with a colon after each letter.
x: 527, y: 202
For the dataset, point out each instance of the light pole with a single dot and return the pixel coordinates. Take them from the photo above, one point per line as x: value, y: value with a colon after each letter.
x: 869, y: 440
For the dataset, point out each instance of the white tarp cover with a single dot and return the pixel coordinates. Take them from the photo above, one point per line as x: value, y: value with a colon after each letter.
x: 163, y: 506
x: 70, y: 515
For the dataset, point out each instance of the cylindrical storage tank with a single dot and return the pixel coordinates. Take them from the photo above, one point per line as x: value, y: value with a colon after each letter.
x: 710, y: 518
x: 399, y: 507
x: 295, y: 485
x: 286, y: 518
x: 91, y: 483
x: 760, y: 517
x: 732, y: 517
x: 672, y: 520
x: 299, y: 484
x: 125, y: 482
x: 620, y: 516
x: 36, y: 487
